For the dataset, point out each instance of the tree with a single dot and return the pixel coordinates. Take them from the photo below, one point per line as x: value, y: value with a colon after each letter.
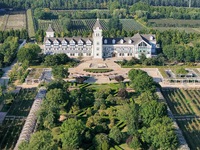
x: 130, y: 115
x: 119, y: 78
x: 152, y: 109
x: 160, y: 134
x: 141, y: 81
x: 29, y: 52
x: 116, y: 135
x: 80, y: 79
x: 122, y: 93
x: 101, y: 142
x: 59, y: 72
x: 40, y: 140
x: 72, y: 130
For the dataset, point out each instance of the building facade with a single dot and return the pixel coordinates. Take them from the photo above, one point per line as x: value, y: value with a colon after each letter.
x: 100, y: 47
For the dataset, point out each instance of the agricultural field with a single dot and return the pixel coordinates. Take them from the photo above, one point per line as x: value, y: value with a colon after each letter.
x: 13, y: 20
x: 173, y: 23
x: 9, y: 133
x: 186, y: 103
x: 82, y: 25
x: 191, y: 132
x: 187, y: 30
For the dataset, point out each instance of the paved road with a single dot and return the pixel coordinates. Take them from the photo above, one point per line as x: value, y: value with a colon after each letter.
x: 5, y: 78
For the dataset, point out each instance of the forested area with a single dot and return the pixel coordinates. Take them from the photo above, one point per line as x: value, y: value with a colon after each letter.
x: 90, y: 4
x: 103, y: 118
x: 8, y: 51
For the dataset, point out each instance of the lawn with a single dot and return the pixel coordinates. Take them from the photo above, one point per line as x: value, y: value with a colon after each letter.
x: 31, y: 29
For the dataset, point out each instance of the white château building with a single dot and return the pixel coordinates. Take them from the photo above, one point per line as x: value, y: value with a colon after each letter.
x: 100, y: 47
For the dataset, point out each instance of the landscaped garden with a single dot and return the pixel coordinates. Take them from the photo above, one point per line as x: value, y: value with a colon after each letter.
x: 104, y: 116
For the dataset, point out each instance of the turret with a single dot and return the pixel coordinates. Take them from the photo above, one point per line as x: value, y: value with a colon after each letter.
x: 97, y: 40
x: 50, y: 31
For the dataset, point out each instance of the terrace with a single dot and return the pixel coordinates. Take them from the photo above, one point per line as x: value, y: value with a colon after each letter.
x: 172, y: 77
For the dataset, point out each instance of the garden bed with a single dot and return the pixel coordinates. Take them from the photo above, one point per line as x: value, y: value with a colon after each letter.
x: 98, y: 70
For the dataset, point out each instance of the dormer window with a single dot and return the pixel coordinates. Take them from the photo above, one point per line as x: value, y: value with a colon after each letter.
x: 113, y: 41
x: 80, y: 42
x: 56, y: 43
x: 151, y: 38
x: 72, y: 42
x: 88, y: 43
x: 105, y: 41
x: 130, y: 41
x: 64, y: 42
x: 121, y: 41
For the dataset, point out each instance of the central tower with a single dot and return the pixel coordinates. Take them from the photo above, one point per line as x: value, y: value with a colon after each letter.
x: 97, y: 40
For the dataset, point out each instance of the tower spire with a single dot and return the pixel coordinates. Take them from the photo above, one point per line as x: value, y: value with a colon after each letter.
x: 97, y: 24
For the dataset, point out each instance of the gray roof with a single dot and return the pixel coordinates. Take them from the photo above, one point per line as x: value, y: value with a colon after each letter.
x: 97, y: 24
x: 137, y: 38
x: 50, y: 29
x: 76, y: 39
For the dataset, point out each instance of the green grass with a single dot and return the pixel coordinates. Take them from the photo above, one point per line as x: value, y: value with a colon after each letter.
x: 98, y: 70
x: 174, y: 23
x: 112, y: 86
x: 31, y: 29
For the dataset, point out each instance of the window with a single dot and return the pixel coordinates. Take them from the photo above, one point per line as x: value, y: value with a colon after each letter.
x: 97, y: 43
x: 105, y: 41
x: 113, y: 41
x: 142, y: 44
x: 97, y: 54
x: 97, y: 48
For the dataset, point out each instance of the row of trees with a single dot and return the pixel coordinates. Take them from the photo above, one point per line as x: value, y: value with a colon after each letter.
x: 8, y: 51
x: 143, y: 10
x: 21, y: 34
x: 91, y: 4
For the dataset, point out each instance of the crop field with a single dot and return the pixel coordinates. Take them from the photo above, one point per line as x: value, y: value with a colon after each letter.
x: 131, y: 24
x: 173, y: 23
x: 183, y: 102
x: 191, y: 132
x: 82, y: 25
x: 13, y: 20
x: 9, y: 133
x: 187, y: 30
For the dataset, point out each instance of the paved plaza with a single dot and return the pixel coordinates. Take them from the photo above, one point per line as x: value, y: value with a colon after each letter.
x: 117, y: 70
